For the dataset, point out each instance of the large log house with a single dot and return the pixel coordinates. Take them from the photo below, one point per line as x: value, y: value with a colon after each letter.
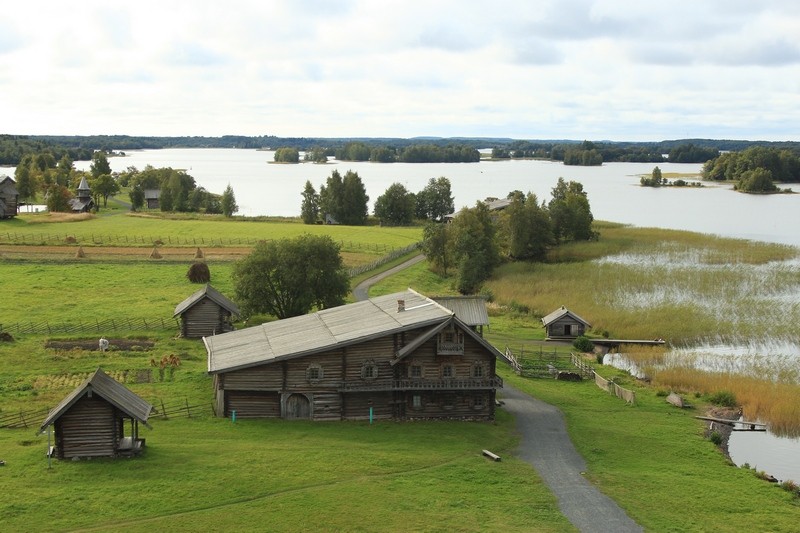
x: 397, y: 356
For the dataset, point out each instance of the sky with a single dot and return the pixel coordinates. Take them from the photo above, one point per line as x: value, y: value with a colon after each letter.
x: 621, y: 70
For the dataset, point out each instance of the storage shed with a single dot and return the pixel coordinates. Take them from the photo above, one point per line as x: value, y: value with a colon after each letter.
x: 90, y: 422
x: 564, y: 324
x: 206, y: 312
x: 9, y: 198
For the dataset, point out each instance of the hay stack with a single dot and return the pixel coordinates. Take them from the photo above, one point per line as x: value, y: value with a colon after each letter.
x: 80, y: 254
x: 198, y: 254
x: 154, y: 254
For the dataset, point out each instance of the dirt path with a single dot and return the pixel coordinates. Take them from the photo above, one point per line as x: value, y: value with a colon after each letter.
x: 547, y: 447
x: 361, y: 291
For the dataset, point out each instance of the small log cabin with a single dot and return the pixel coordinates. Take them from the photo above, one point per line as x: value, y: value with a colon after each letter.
x: 9, y: 198
x: 564, y: 324
x: 90, y: 422
x: 206, y: 312
x: 401, y: 356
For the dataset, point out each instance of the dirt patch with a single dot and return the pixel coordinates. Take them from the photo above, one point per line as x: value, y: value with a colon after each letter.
x: 131, y: 345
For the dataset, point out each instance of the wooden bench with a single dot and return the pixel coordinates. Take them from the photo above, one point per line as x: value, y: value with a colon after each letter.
x: 494, y: 457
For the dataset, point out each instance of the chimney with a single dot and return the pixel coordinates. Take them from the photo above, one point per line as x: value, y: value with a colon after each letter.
x: 401, y: 306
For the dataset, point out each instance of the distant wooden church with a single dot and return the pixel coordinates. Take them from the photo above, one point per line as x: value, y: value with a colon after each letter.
x: 9, y: 198
x: 83, y: 202
x: 206, y: 312
x: 90, y: 422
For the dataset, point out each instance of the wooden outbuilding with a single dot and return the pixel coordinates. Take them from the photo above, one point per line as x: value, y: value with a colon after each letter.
x: 401, y: 356
x: 206, y: 312
x: 9, y: 197
x: 90, y: 422
x: 152, y: 198
x: 83, y: 201
x: 564, y: 324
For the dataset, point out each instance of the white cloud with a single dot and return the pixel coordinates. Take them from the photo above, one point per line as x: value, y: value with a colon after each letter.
x: 602, y: 69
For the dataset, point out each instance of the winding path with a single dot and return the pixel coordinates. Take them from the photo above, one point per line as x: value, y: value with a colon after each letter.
x: 546, y: 446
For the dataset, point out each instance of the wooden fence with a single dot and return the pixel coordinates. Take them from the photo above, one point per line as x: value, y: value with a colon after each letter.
x: 180, y: 409
x: 391, y: 256
x: 543, y: 363
x: 628, y: 395
x: 12, y: 237
x: 90, y: 326
x: 23, y: 419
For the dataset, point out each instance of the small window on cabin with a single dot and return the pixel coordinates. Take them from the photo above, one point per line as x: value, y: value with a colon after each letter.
x: 415, y: 371
x: 478, y: 371
x: 448, y: 372
x: 478, y: 402
x: 314, y: 372
x: 369, y: 370
x: 416, y: 401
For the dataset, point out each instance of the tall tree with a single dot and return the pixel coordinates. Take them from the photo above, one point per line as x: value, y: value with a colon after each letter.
x: 136, y: 195
x: 58, y: 199
x: 105, y: 185
x: 475, y: 250
x: 436, y: 246
x: 27, y: 185
x: 64, y: 170
x: 331, y: 196
x: 309, y: 209
x: 435, y: 200
x: 529, y: 229
x: 99, y: 164
x: 289, y: 277
x: 354, y: 200
x: 570, y: 212
x: 395, y: 207
x: 229, y: 206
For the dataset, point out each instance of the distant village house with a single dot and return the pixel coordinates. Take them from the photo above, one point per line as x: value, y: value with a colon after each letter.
x: 564, y: 324
x: 151, y: 198
x: 206, y: 312
x: 9, y: 197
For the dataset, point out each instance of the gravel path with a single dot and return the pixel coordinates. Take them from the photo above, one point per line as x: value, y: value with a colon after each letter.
x: 547, y: 447
x: 361, y: 291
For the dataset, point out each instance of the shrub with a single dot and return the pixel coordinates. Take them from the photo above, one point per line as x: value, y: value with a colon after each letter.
x: 715, y: 437
x: 199, y: 273
x: 723, y: 398
x: 791, y: 486
x: 583, y: 344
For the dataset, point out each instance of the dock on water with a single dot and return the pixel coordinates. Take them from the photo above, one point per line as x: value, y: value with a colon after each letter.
x: 744, y: 425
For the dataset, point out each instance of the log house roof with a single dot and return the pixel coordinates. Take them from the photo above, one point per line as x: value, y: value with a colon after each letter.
x: 324, y: 330
x: 471, y: 310
x: 111, y: 391
x: 561, y: 312
x: 206, y: 292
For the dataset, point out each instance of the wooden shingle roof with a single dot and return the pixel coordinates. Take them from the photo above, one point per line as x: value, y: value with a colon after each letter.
x: 323, y: 330
x: 471, y: 310
x: 561, y: 312
x: 111, y: 391
x: 206, y: 292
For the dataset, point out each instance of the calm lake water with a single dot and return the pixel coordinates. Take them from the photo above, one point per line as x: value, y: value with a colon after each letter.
x: 262, y: 188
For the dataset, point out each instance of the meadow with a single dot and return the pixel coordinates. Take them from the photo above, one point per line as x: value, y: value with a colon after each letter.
x: 653, y: 459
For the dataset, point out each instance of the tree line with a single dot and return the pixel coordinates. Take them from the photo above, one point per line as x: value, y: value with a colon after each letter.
x: 755, y: 169
x: 344, y: 200
x: 590, y: 153
x: 478, y: 239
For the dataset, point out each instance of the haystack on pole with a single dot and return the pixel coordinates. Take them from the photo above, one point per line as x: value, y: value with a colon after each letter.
x: 80, y: 254
x: 198, y: 254
x: 154, y: 254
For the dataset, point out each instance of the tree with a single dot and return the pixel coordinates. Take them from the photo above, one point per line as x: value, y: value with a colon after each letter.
x: 435, y: 200
x: 64, y: 170
x: 570, y: 212
x: 655, y: 179
x: 58, y: 199
x: 395, y: 207
x: 100, y: 164
x: 331, y: 196
x: 229, y: 206
x: 27, y: 185
x: 105, y: 186
x: 287, y: 154
x: 136, y: 195
x: 309, y: 209
x: 758, y: 180
x: 316, y: 155
x: 529, y: 228
x: 435, y: 245
x: 289, y: 277
x: 475, y: 251
x: 354, y: 200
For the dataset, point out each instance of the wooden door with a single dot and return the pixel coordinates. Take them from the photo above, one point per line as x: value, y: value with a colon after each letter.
x: 297, y: 407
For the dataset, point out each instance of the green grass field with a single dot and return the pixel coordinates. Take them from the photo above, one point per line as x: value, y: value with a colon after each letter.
x: 212, y: 474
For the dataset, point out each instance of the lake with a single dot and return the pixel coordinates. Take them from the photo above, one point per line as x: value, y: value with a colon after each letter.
x: 263, y: 188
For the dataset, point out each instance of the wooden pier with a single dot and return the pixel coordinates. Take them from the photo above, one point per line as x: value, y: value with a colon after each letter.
x: 747, y: 424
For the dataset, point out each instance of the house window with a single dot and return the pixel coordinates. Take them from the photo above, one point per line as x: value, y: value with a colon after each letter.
x: 314, y: 372
x: 448, y: 372
x: 478, y: 371
x: 416, y: 401
x: 478, y: 402
x: 369, y: 370
x: 416, y: 371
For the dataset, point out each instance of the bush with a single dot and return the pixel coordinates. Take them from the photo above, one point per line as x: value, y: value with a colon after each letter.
x: 723, y: 398
x: 583, y: 344
x: 715, y: 437
x: 199, y: 273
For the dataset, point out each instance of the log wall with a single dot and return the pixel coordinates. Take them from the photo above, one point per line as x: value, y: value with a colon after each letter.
x: 88, y: 429
x: 253, y: 404
x: 203, y: 319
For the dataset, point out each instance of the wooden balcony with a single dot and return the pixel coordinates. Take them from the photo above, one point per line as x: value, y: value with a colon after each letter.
x: 424, y: 384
